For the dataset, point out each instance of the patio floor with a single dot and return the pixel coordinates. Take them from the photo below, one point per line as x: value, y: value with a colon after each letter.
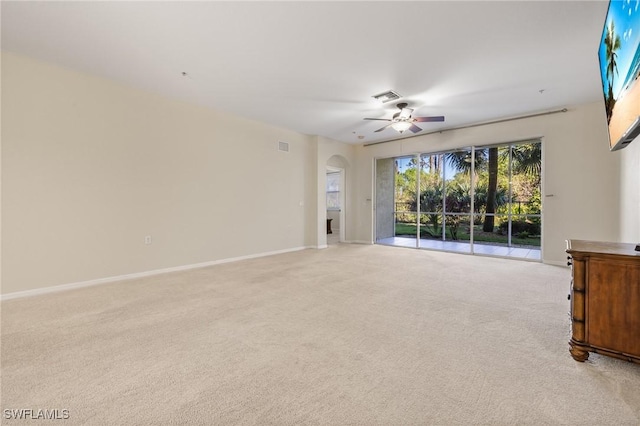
x: 527, y: 253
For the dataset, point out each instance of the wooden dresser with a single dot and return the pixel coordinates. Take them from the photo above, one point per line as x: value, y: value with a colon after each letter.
x: 605, y: 300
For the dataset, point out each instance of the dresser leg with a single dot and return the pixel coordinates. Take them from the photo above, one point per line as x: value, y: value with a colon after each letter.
x: 578, y: 353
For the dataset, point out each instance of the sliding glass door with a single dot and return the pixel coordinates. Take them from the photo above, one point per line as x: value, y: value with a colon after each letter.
x: 445, y: 200
x: 509, y: 218
x: 479, y: 200
x: 407, y: 180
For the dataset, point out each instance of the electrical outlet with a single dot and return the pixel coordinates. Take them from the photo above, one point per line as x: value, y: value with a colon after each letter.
x: 147, y: 239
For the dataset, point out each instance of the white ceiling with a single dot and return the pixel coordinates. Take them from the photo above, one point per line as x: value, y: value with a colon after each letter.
x: 314, y: 66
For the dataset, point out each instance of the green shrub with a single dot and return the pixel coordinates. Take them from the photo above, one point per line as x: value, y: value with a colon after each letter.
x: 521, y: 227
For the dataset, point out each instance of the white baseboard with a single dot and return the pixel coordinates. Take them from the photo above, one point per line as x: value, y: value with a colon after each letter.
x: 359, y: 242
x: 71, y: 286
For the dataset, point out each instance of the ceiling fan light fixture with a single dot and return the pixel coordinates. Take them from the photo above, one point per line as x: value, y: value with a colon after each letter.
x: 401, y: 126
x: 403, y: 120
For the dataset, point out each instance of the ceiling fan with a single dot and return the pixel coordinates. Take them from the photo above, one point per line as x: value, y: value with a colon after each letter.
x: 402, y: 121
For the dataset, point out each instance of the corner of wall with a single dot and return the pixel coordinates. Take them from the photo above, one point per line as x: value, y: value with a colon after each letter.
x: 629, y: 222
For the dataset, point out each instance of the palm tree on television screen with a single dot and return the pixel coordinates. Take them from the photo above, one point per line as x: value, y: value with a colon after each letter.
x: 612, y: 44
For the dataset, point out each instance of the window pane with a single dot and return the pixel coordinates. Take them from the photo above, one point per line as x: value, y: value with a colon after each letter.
x: 458, y: 182
x: 526, y: 167
x: 457, y: 227
x: 405, y: 197
x: 333, y: 201
x: 333, y: 181
x: 406, y: 225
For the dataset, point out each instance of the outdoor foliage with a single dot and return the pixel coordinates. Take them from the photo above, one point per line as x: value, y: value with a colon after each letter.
x: 523, y: 228
x: 450, y: 201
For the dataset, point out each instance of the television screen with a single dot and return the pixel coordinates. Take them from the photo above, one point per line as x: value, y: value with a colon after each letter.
x: 619, y: 56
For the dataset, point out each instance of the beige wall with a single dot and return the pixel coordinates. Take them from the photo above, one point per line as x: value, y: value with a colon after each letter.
x: 578, y: 171
x: 630, y: 193
x: 90, y: 167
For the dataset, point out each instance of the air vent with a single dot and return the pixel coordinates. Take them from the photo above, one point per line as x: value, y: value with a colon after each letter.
x: 387, y: 96
x: 283, y: 146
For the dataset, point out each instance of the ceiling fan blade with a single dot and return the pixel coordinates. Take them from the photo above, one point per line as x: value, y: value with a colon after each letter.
x: 429, y: 119
x: 405, y: 113
x: 415, y: 129
x: 382, y: 128
x: 378, y: 119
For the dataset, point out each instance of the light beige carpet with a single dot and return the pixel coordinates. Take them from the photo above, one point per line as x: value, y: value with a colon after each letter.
x: 357, y: 335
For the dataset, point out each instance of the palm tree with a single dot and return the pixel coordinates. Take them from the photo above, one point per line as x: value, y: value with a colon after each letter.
x: 431, y: 205
x: 612, y: 44
x: 461, y: 161
x: 526, y: 159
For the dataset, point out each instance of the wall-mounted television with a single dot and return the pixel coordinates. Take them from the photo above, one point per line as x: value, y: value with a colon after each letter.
x: 619, y: 56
